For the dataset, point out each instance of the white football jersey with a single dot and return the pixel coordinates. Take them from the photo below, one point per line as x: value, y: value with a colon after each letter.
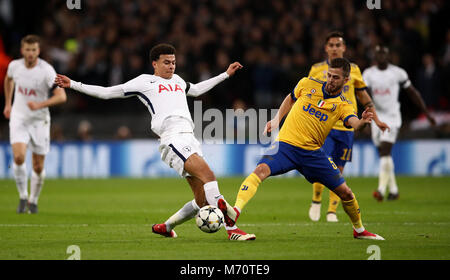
x: 163, y: 98
x: 31, y: 84
x: 385, y: 86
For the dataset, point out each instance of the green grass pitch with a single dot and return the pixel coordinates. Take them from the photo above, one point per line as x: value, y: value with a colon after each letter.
x: 111, y: 219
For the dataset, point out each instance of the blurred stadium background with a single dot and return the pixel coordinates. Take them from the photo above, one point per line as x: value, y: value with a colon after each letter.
x: 107, y: 42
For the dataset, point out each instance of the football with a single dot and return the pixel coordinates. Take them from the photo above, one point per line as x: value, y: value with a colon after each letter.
x: 209, y: 219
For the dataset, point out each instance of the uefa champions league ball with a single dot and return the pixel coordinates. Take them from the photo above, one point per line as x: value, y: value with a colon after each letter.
x: 209, y: 219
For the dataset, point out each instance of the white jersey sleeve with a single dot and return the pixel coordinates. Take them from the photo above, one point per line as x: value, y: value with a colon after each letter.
x: 204, y: 86
x: 403, y: 78
x: 12, y: 68
x: 50, y: 77
x: 98, y: 91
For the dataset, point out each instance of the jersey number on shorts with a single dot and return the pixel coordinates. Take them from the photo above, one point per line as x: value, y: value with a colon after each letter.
x: 332, y: 163
x: 346, y: 155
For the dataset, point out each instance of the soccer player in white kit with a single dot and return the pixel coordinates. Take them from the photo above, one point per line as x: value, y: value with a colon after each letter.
x: 384, y: 81
x: 30, y: 79
x: 164, y: 94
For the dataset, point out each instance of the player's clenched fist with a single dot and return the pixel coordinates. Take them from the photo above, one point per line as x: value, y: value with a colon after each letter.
x: 7, y: 111
x: 233, y: 68
x: 62, y: 81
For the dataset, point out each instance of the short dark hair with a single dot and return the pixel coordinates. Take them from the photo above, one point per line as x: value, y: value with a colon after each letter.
x: 334, y: 34
x: 30, y: 39
x: 160, y: 49
x: 341, y: 63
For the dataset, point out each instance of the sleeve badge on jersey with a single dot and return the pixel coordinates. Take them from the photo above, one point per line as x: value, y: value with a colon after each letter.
x: 187, y: 149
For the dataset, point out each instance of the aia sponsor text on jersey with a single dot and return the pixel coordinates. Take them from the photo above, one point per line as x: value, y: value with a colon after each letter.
x: 169, y: 87
x: 26, y: 91
x: 381, y: 91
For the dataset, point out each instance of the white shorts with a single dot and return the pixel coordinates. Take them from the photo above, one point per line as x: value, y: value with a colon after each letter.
x: 177, y: 148
x: 36, y: 134
x: 387, y: 136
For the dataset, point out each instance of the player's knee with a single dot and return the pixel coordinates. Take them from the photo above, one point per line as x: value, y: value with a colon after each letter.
x: 385, y: 149
x: 344, y: 192
x: 19, y: 159
x: 384, y: 152
x: 346, y: 195
x: 38, y: 168
x: 262, y: 171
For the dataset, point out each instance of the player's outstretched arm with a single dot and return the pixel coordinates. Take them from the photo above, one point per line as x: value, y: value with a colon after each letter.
x: 417, y: 99
x: 285, y: 107
x: 358, y: 124
x: 92, y: 90
x: 204, y: 86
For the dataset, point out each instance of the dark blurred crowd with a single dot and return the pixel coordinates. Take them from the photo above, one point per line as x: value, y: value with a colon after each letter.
x: 107, y: 42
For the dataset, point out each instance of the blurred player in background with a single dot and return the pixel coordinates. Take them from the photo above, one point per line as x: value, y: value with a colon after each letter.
x: 30, y: 79
x: 164, y: 94
x: 339, y: 142
x: 312, y: 110
x: 384, y: 81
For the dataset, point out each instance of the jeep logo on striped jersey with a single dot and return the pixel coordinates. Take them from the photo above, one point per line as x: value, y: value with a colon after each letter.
x: 316, y: 113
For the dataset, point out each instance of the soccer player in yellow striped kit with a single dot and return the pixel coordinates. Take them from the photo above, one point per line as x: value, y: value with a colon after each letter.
x: 312, y: 110
x: 339, y: 143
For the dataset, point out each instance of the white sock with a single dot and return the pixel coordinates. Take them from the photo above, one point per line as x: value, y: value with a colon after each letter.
x: 36, y: 183
x: 359, y: 230
x: 212, y: 192
x: 231, y: 228
x: 187, y: 212
x: 392, y: 183
x: 386, y: 166
x: 20, y: 175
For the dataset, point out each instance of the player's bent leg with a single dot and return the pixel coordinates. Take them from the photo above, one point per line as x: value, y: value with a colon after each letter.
x: 250, y: 185
x: 246, y: 191
x: 196, y: 166
x: 187, y: 212
x: 199, y: 169
x: 198, y: 190
x: 351, y: 208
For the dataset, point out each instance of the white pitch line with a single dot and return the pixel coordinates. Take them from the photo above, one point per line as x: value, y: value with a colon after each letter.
x: 70, y: 225
x: 248, y: 225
